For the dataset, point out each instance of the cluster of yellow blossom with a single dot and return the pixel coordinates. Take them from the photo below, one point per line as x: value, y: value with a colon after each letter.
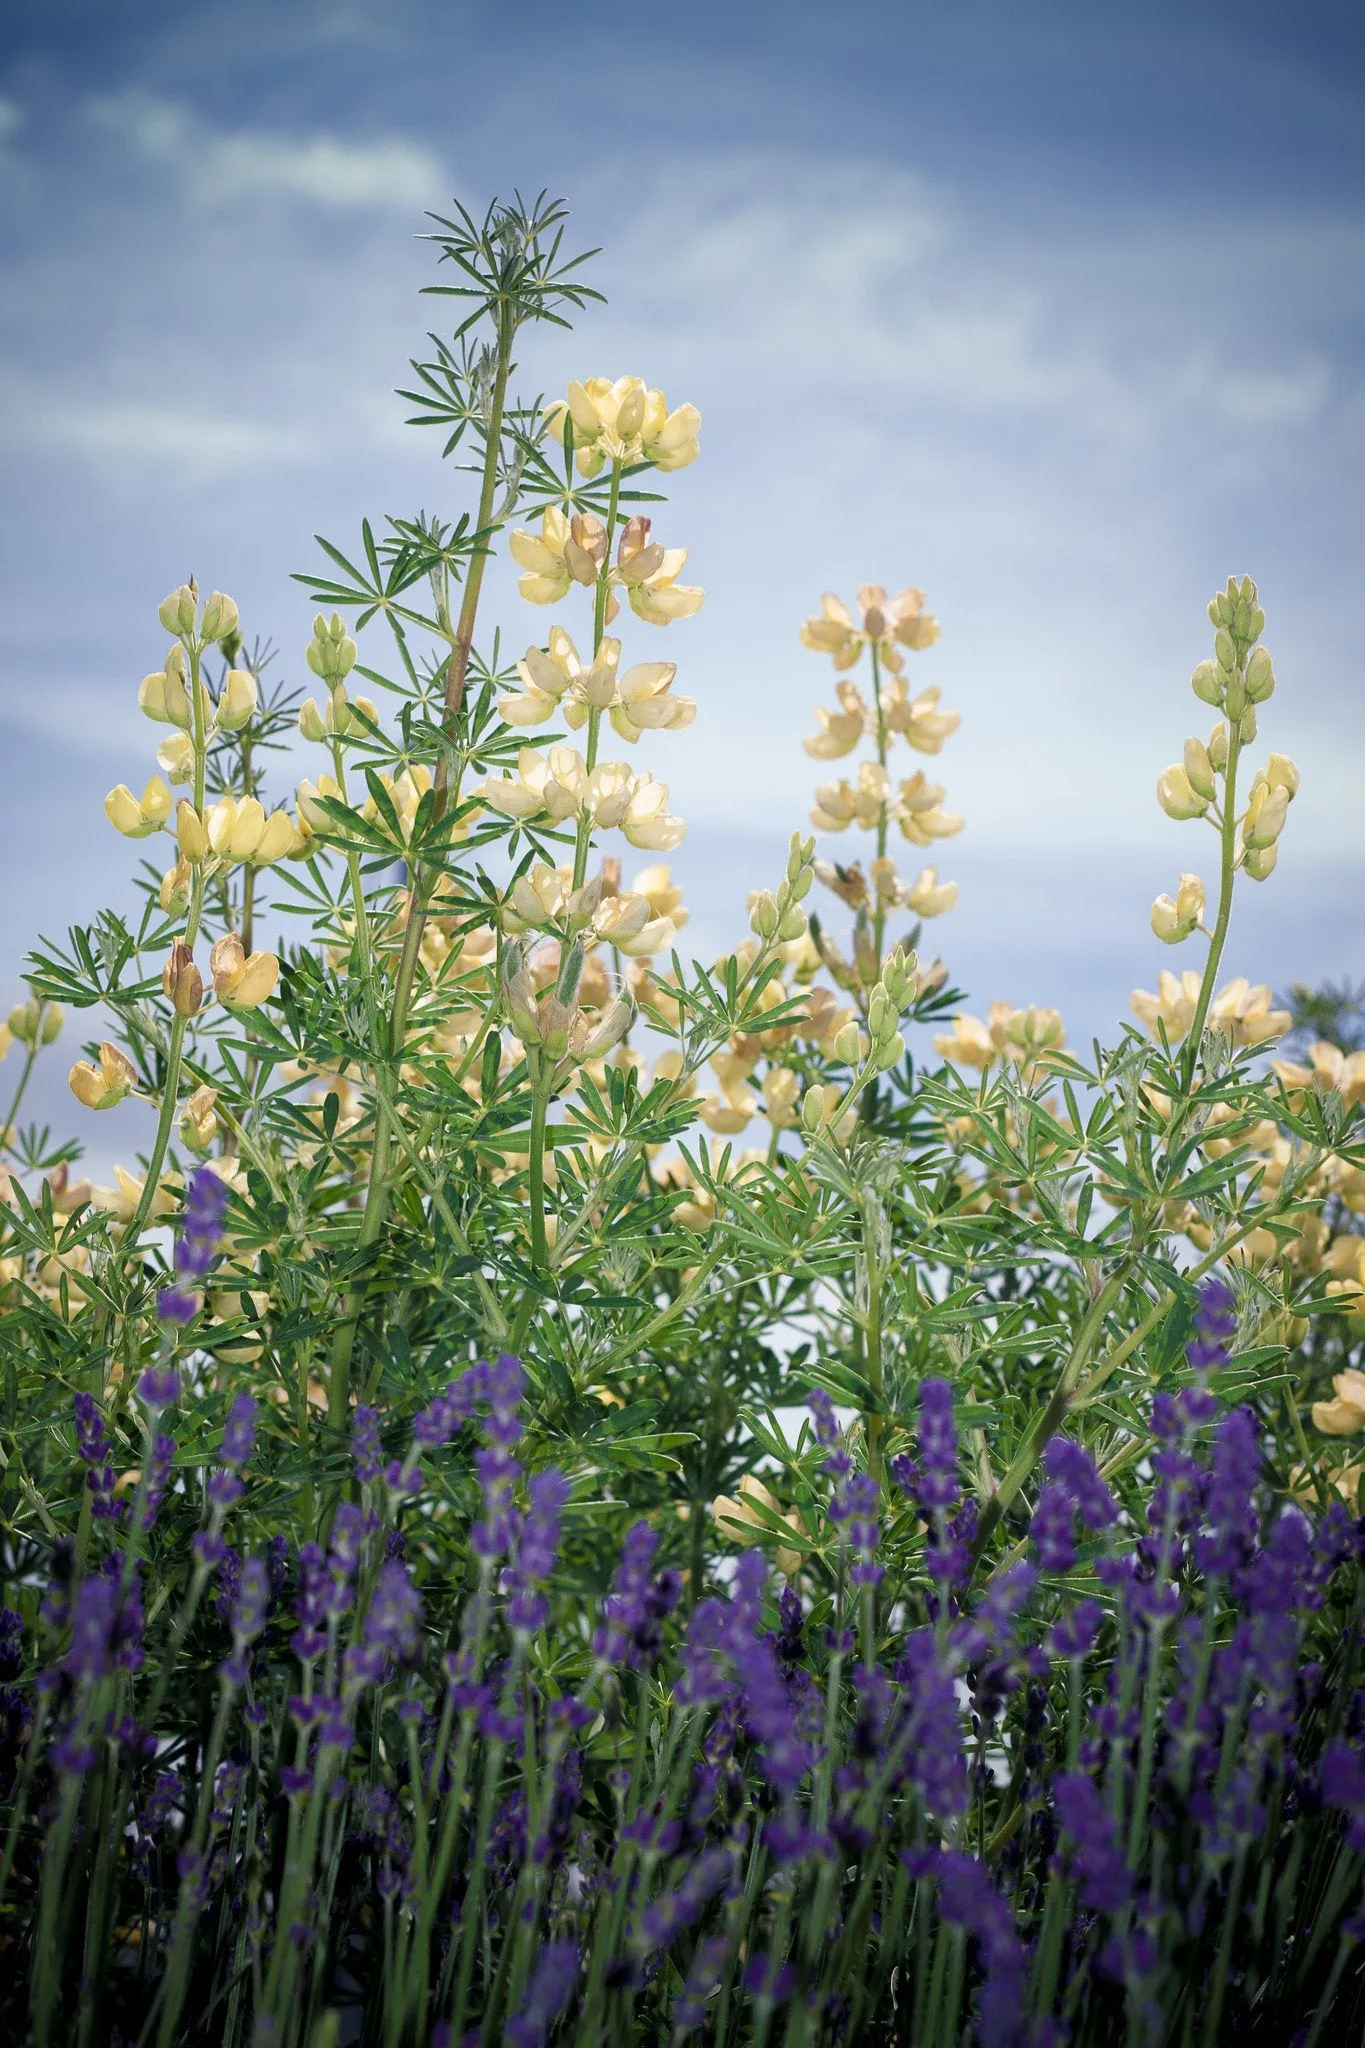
x: 624, y: 422
x: 574, y: 550
x: 917, y: 720
x: 884, y: 623
x: 875, y: 801
x: 556, y: 682
x: 1021, y: 1037
x: 1242, y: 1013
x: 558, y: 785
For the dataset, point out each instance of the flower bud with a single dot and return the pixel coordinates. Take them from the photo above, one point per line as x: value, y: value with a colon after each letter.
x: 1218, y: 748
x: 792, y: 925
x: 191, y: 835
x: 105, y: 1085
x: 519, y: 996
x: 163, y: 696
x: 237, y: 704
x: 1267, y: 808
x: 1199, y: 770
x: 177, y: 612
x: 888, y: 1054
x: 176, y: 756
x: 611, y: 1028
x: 174, y: 892
x: 556, y: 1020
x: 198, y: 1123
x: 1281, y: 773
x: 36, y: 1024
x: 220, y: 617
x: 814, y: 1108
x: 1260, y: 676
x: 763, y: 915
x: 1235, y: 696
x: 899, y: 977
x: 1246, y: 725
x: 1174, y: 919
x: 1207, y: 684
x: 848, y: 1044
x: 570, y: 973
x: 241, y: 980
x: 1224, y: 649
x: 310, y: 721
x: 1178, y: 799
x: 182, y: 981
x: 331, y: 652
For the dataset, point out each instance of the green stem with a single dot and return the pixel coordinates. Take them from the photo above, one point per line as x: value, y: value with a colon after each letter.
x: 539, y: 1105
x: 1227, y: 874
x: 883, y: 814
x: 457, y: 671
x: 7, y: 1128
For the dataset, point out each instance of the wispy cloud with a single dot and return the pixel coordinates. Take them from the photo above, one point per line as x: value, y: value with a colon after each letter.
x: 224, y: 168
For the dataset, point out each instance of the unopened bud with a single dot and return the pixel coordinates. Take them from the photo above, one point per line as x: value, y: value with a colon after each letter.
x: 1199, y: 769
x: 792, y: 925
x: 198, y: 1123
x: 1207, y: 683
x: 182, y: 981
x: 191, y: 834
x: 331, y: 652
x: 1235, y: 696
x: 177, y: 612
x: 35, y: 1024
x: 174, y: 892
x: 1260, y: 676
x: 310, y: 721
x: 1225, y: 651
x: 570, y: 974
x: 220, y: 617
x: 556, y: 1021
x: 888, y: 1054
x: 847, y: 1044
x: 1246, y: 725
x: 813, y: 1108
x: 1218, y: 748
x: 237, y: 704
x: 763, y: 915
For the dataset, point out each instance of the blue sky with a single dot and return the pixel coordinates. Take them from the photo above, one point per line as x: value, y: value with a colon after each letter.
x: 1054, y: 310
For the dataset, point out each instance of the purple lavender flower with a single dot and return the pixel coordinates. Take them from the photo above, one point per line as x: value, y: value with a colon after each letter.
x: 196, y: 1246
x: 1215, y: 1324
x: 239, y: 1433
x: 159, y: 1387
x: 536, y: 1551
x: 158, y: 1478
x: 1074, y: 1633
x: 1075, y: 1471
x: 94, y: 1612
x: 1052, y: 1528
x: 936, y: 1468
x: 1101, y: 1874
x: 707, y: 1967
x: 637, y: 1605
x: 547, y: 1994
x: 1343, y: 1786
x: 935, y: 1762
x: 95, y: 1453
x: 249, y: 1610
x: 393, y: 1624
x: 310, y: 1606
x: 1229, y: 1513
x: 366, y: 1449
x: 969, y: 1900
x: 165, y: 1796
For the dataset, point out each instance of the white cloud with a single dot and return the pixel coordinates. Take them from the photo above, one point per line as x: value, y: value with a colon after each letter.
x: 221, y: 169
x: 127, y: 435
x: 11, y: 119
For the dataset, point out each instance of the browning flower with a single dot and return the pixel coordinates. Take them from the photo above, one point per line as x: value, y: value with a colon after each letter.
x: 242, y: 980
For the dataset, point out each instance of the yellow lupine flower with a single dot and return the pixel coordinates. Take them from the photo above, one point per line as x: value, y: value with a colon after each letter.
x: 888, y: 623
x: 624, y: 421
x: 138, y: 817
x: 105, y: 1085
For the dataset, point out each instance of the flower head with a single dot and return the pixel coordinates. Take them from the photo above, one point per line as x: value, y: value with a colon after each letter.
x: 886, y: 623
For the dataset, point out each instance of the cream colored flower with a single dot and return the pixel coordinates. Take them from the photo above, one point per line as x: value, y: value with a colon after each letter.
x: 624, y: 422
x: 1241, y: 1012
x: 138, y: 817
x: 971, y: 1043
x: 917, y: 719
x: 546, y: 575
x: 648, y: 823
x: 239, y: 830
x: 841, y: 804
x: 841, y: 730
x: 120, y: 1201
x: 405, y: 791
x: 105, y: 1085
x: 1178, y: 796
x: 649, y: 575
x: 1174, y: 918
x: 1345, y: 1414
x: 1328, y: 1068
x: 781, y: 1093
x: 546, y: 676
x: 242, y: 980
x: 662, y: 894
x: 927, y: 896
x: 888, y: 624
x: 919, y: 814
x: 175, y: 756
x: 735, y: 1518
